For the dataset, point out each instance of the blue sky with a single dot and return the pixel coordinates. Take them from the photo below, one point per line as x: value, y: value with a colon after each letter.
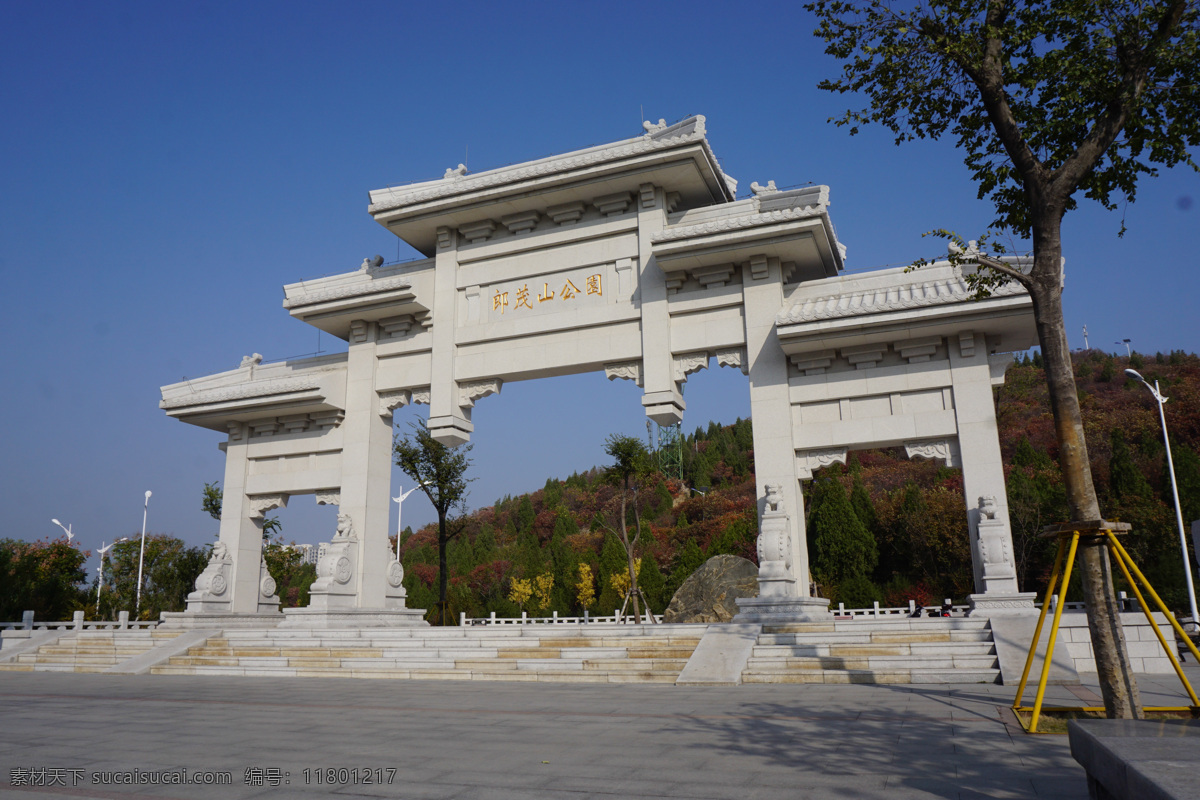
x: 169, y: 166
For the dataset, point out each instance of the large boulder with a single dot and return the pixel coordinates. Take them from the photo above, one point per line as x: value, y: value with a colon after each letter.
x: 709, y: 594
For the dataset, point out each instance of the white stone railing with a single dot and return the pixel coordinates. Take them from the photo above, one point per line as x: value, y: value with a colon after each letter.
x: 77, y: 623
x: 877, y: 612
x: 554, y: 619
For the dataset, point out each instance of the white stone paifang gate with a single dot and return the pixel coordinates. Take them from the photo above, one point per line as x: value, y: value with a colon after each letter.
x: 634, y: 258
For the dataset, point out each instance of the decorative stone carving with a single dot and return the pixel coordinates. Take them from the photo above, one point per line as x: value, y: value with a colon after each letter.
x: 521, y: 223
x: 611, y: 204
x: 237, y: 431
x: 646, y: 195
x: 394, y: 593
x: 299, y: 296
x: 368, y: 264
x: 445, y: 238
x: 390, y: 401
x: 966, y: 344
x: 688, y: 363
x: 262, y: 503
x: 626, y: 371
x: 775, y: 578
x: 360, y: 331
x: 329, y: 497
x: 654, y: 127
x: 733, y: 357
x: 212, y: 585
x: 395, y: 574
x: 918, y: 350
x: 263, y: 427
x: 295, y: 423
x: 476, y: 232
x: 455, y: 173
x: 260, y: 388
x: 328, y: 419
x: 567, y: 213
x: 421, y: 396
x: 717, y: 276
x: 945, y: 450
x: 468, y: 393
x: 987, y: 507
x: 809, y: 460
x: 726, y: 224
x: 266, y: 584
x: 864, y: 356
x: 250, y: 361
x: 395, y: 327
x: 337, y: 566
x: 758, y: 188
x: 759, y: 267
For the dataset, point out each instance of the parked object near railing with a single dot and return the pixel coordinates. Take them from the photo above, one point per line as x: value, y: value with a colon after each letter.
x: 78, y: 623
x: 554, y: 619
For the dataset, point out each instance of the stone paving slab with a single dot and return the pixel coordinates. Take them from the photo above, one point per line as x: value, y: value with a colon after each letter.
x: 484, y: 740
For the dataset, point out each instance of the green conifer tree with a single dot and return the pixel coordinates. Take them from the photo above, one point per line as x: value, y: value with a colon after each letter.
x: 842, y: 546
x: 1125, y: 480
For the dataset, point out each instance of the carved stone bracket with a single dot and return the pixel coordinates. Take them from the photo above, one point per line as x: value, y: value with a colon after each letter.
x: 808, y: 460
x: 468, y: 393
x: 237, y: 431
x: 395, y: 327
x: 611, y: 204
x: 329, y: 497
x: 942, y: 449
x: 390, y: 401
x: 262, y: 503
x: 688, y: 363
x: 421, y: 396
x: 865, y: 356
x: 734, y: 357
x: 477, y: 231
x: 567, y: 213
x: 522, y: 222
x: 966, y: 343
x: 814, y: 363
x: 714, y: 276
x: 916, y: 351
x: 360, y: 331
x: 626, y: 371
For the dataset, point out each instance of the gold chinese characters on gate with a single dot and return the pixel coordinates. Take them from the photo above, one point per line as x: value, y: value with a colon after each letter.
x: 523, y: 299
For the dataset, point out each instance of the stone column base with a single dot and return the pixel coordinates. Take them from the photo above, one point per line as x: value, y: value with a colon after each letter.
x: 218, y: 619
x: 354, y: 618
x: 776, y: 610
x: 997, y: 605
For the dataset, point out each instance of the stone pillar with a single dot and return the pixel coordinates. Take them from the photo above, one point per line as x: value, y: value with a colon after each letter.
x: 770, y: 406
x: 983, y: 479
x: 448, y: 422
x: 366, y: 467
x: 660, y: 393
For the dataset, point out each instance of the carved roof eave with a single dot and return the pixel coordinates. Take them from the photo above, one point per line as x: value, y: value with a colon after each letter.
x: 299, y: 298
x: 730, y: 239
x: 690, y: 131
x: 209, y: 410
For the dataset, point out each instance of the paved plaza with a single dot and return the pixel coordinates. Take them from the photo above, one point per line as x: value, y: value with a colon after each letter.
x: 463, y: 739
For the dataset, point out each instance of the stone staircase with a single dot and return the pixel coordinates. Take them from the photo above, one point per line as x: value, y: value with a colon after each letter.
x: 89, y: 651
x: 927, y: 650
x: 595, y: 654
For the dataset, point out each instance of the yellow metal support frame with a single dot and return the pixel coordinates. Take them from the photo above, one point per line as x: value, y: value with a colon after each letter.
x: 1068, y: 544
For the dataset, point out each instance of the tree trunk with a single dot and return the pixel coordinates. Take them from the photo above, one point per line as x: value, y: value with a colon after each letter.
x: 443, y: 569
x: 1117, y: 684
x: 637, y: 615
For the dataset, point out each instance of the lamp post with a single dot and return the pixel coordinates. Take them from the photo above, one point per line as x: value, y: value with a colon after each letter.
x: 66, y: 530
x: 142, y: 557
x: 103, y: 551
x: 399, y: 508
x: 1187, y: 564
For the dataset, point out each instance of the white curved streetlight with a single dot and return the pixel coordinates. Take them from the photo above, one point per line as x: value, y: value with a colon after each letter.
x: 142, y: 557
x: 399, y: 508
x: 66, y: 530
x: 103, y: 551
x: 1187, y: 564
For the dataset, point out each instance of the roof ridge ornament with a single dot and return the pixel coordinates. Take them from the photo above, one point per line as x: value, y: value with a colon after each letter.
x: 455, y: 173
x: 654, y: 127
x: 758, y: 188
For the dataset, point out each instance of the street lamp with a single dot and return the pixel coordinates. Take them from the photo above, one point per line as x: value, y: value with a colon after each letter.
x: 103, y: 551
x: 142, y: 557
x: 66, y: 530
x: 1187, y: 564
x: 399, y: 508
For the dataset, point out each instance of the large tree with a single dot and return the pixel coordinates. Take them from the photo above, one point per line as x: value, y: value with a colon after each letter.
x: 440, y: 471
x: 1046, y: 98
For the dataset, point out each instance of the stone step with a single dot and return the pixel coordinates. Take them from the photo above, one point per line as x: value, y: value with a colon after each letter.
x: 925, y: 650
x: 885, y: 663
